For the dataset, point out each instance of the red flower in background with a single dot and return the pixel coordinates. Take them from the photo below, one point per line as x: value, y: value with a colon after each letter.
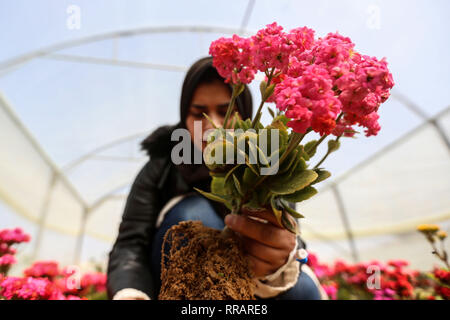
x: 48, y: 269
x: 11, y: 236
x: 43, y: 280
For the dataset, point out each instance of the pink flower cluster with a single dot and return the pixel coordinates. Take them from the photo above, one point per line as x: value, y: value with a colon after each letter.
x: 94, y: 281
x: 237, y: 59
x: 316, y: 80
x: 7, y: 260
x: 443, y: 285
x: 9, y: 238
x: 29, y: 288
x: 350, y: 281
x: 43, y: 280
x: 47, y: 269
x: 12, y: 236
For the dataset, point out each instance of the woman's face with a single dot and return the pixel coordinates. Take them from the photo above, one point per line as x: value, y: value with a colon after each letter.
x: 212, y: 99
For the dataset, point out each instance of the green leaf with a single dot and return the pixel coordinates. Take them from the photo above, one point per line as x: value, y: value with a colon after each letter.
x: 217, y: 184
x: 303, y: 153
x: 229, y: 173
x: 263, y: 88
x: 321, y: 175
x: 210, y: 120
x: 264, y: 195
x: 289, y: 161
x: 237, y: 185
x: 221, y: 187
x: 282, y: 118
x: 290, y: 183
x: 299, y: 165
x: 218, y: 147
x: 220, y: 174
x: 288, y: 225
x: 269, y: 91
x: 252, y: 167
x: 214, y: 197
x: 253, y: 204
x: 236, y: 121
x: 272, y: 113
x: 262, y: 157
x: 243, y: 125
x: 301, y: 195
x: 277, y: 212
x: 252, y: 152
x: 249, y: 177
x: 310, y: 148
x: 291, y: 211
x: 248, y: 123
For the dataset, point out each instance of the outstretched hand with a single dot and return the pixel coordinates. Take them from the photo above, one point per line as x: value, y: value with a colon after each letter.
x: 266, y: 243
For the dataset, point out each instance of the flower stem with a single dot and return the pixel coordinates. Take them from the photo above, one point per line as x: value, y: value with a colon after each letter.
x: 230, y: 106
x: 258, y: 113
x: 323, y: 138
x: 441, y: 256
x: 326, y: 155
x: 320, y: 140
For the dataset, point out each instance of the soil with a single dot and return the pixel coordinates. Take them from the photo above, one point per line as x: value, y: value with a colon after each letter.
x: 201, y: 263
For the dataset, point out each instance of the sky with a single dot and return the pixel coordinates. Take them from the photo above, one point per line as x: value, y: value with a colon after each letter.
x: 72, y: 108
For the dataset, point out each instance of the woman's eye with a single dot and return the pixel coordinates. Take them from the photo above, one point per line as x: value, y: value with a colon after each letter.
x: 197, y: 115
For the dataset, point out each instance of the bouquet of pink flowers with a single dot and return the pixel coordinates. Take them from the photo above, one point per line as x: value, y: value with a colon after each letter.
x: 322, y: 85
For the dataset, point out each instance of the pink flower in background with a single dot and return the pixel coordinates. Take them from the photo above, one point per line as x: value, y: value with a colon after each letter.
x: 29, y: 289
x: 11, y: 236
x: 331, y: 290
x: 398, y: 264
x: 7, y: 260
x: 71, y: 297
x: 95, y: 280
x: 43, y: 280
x: 384, y: 294
x: 40, y: 269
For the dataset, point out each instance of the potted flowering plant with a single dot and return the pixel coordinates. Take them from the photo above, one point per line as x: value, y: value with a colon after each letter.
x: 318, y: 85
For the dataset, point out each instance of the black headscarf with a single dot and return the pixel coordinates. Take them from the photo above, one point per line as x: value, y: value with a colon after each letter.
x: 159, y: 142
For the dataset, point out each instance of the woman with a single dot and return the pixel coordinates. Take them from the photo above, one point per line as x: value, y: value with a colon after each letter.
x: 162, y: 196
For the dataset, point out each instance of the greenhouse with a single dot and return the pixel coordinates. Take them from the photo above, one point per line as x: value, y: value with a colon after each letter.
x: 81, y: 86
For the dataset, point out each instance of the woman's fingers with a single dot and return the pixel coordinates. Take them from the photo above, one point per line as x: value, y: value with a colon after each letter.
x: 265, y: 233
x: 275, y: 257
x: 266, y: 245
x: 265, y: 215
x: 268, y: 216
x: 260, y: 267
